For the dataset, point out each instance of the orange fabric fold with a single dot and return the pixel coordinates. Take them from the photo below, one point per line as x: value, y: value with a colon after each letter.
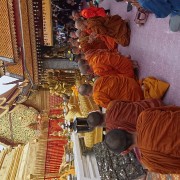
x: 93, y: 12
x: 124, y: 114
x: 105, y: 62
x: 154, y: 88
x: 116, y: 87
x: 158, y: 138
x: 97, y: 44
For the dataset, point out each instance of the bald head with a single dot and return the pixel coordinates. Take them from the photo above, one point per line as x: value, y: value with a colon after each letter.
x: 85, y: 90
x: 78, y: 32
x: 73, y: 35
x: 75, y: 14
x: 82, y: 62
x: 85, y: 69
x: 118, y: 140
x: 80, y: 24
x: 95, y: 119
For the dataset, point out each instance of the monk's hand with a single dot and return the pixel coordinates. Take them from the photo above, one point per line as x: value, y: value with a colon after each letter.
x: 90, y: 40
x: 92, y: 37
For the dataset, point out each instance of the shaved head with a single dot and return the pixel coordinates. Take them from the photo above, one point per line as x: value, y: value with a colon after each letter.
x: 95, y: 119
x: 82, y: 62
x: 85, y: 89
x: 80, y: 24
x: 75, y: 14
x: 118, y: 140
x: 78, y: 32
x: 85, y: 69
x: 73, y: 35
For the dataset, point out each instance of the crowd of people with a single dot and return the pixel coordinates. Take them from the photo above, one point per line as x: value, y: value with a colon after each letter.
x: 135, y: 114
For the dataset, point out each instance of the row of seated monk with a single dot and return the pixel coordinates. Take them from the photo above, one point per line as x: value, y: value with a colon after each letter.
x: 135, y: 115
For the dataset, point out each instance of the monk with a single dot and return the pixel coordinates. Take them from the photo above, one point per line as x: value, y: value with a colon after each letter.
x: 158, y: 139
x: 85, y: 69
x: 86, y: 45
x: 115, y: 87
x: 93, y: 37
x: 105, y: 62
x: 121, y: 114
x: 111, y: 26
x: 75, y: 15
x: 73, y: 35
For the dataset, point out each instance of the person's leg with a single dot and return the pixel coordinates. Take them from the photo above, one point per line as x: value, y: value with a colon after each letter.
x: 174, y: 23
x: 107, y: 11
x: 129, y: 7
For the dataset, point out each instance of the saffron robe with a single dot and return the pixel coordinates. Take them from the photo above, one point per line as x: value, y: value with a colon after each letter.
x: 93, y: 12
x: 158, y: 138
x: 109, y: 41
x: 105, y: 62
x: 154, y: 88
x: 116, y: 87
x: 97, y: 44
x: 112, y: 26
x: 124, y: 114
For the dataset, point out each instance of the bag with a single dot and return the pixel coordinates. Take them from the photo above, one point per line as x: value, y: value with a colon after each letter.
x: 141, y: 16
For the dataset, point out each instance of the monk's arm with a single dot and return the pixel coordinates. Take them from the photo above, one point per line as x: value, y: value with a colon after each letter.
x: 97, y: 27
x: 102, y: 99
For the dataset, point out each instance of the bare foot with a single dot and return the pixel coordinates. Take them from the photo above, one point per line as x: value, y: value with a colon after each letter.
x: 135, y: 64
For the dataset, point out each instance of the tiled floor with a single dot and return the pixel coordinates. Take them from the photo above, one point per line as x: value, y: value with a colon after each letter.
x: 156, y: 49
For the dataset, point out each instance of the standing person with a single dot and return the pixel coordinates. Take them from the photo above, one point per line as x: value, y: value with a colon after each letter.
x: 163, y: 8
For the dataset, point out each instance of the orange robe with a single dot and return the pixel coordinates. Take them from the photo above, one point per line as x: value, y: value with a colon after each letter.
x: 105, y: 62
x: 124, y: 114
x: 109, y: 41
x: 112, y: 26
x: 93, y: 12
x: 158, y: 138
x: 116, y: 87
x: 97, y: 44
x: 154, y: 88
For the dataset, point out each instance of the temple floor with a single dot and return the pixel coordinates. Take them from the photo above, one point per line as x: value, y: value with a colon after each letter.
x: 154, y: 46
x: 157, y: 51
